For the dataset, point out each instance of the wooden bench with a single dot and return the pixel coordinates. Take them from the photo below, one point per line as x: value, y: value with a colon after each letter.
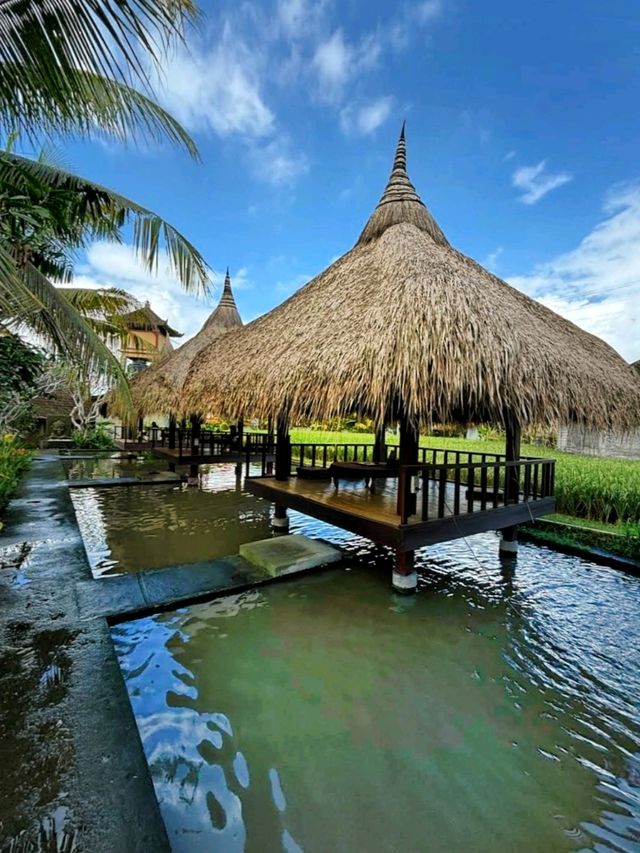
x: 367, y: 471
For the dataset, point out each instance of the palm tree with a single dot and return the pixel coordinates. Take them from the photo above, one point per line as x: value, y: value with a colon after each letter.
x: 72, y: 66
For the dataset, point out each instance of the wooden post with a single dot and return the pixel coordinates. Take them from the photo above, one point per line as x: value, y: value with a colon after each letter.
x: 140, y: 428
x: 280, y: 521
x: 196, y: 423
x: 172, y: 432
x: 408, y: 455
x: 379, y: 449
x: 509, y: 541
x: 283, y: 448
x: 404, y: 578
x: 240, y: 432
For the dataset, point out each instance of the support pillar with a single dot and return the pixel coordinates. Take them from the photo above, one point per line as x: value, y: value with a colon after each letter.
x: 280, y: 520
x: 408, y: 455
x: 195, y: 422
x: 509, y: 538
x: 240, y: 433
x: 172, y: 432
x: 404, y: 578
x: 379, y: 449
x: 192, y: 479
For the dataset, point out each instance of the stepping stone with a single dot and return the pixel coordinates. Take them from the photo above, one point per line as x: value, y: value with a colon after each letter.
x: 285, y: 554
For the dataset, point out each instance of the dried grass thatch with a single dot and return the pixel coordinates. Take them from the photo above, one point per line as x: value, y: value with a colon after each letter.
x: 158, y: 388
x: 403, y: 319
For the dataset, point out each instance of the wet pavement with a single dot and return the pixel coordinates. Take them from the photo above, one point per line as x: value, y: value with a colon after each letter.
x: 74, y: 776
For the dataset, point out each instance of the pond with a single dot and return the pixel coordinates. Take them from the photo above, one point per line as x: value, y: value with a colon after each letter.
x: 493, y: 711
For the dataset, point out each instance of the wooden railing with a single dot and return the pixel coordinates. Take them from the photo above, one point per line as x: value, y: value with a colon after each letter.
x: 443, y: 483
x: 441, y: 490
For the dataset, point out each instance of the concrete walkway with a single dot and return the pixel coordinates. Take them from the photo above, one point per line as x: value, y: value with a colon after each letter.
x: 73, y: 768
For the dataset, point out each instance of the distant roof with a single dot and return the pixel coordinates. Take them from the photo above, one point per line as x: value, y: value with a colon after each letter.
x: 146, y: 319
x: 57, y: 405
x: 159, y: 387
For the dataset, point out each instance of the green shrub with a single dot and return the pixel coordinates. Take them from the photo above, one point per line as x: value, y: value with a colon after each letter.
x: 14, y: 461
x: 96, y: 438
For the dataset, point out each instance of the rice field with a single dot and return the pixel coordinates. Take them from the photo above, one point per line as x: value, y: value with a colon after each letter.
x: 604, y: 490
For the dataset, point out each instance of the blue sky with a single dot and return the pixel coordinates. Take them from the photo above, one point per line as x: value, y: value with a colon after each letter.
x: 523, y: 134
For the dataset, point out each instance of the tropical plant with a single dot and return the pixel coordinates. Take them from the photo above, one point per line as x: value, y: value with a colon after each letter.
x: 70, y: 67
x: 14, y: 460
x: 96, y: 438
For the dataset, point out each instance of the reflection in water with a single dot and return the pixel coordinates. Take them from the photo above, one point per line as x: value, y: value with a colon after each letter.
x: 111, y: 467
x: 134, y: 528
x: 490, y: 712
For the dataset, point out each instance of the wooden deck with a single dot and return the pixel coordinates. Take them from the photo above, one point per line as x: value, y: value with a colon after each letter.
x: 373, y: 514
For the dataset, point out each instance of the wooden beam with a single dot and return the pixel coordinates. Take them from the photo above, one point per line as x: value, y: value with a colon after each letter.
x: 512, y: 484
x: 283, y: 448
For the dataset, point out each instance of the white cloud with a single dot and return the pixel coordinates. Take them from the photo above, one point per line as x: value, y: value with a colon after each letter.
x: 427, y: 11
x: 413, y: 18
x: 537, y: 182
x: 366, y: 118
x: 300, y: 19
x: 597, y: 284
x: 492, y: 258
x: 115, y: 265
x: 218, y: 87
x: 336, y: 62
x: 275, y: 162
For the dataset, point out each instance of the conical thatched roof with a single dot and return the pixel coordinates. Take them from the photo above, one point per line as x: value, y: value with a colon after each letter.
x: 636, y: 365
x: 403, y: 318
x: 146, y: 319
x: 158, y: 387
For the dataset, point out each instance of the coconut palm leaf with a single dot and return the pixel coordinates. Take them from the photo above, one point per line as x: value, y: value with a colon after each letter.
x: 55, y: 52
x: 86, y: 104
x: 101, y: 213
x: 58, y: 324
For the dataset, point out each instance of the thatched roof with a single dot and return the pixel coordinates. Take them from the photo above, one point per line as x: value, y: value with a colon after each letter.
x: 405, y: 319
x: 158, y: 387
x: 146, y: 319
x: 636, y: 365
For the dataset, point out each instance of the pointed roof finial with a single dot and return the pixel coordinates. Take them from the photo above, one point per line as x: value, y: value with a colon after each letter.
x: 227, y: 293
x: 399, y: 187
x: 401, y: 203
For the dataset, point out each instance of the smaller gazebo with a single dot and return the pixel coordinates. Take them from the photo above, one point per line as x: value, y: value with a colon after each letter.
x: 149, y: 338
x: 158, y: 389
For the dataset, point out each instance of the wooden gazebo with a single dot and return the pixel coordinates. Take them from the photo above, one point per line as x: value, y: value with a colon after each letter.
x: 158, y: 388
x: 405, y: 328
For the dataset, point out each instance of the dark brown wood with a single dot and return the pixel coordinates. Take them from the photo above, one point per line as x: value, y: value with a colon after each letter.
x: 405, y: 562
x: 408, y: 455
x: 512, y: 474
x: 283, y: 448
x: 385, y: 534
x: 379, y: 445
x: 172, y: 432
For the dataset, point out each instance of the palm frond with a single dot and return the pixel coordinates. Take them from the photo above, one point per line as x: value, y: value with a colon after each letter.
x: 103, y: 213
x: 59, y: 325
x: 84, y: 103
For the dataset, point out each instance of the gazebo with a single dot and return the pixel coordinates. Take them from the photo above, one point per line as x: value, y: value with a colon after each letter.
x: 158, y: 388
x: 148, y: 330
x: 405, y: 328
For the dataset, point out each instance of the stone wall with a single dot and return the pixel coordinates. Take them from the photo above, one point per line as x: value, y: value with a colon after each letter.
x: 576, y: 438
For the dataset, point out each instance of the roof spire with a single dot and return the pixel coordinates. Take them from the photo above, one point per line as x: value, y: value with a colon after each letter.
x: 401, y: 203
x: 227, y: 293
x: 399, y: 187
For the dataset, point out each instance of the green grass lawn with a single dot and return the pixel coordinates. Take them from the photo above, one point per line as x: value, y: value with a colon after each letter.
x: 605, y: 491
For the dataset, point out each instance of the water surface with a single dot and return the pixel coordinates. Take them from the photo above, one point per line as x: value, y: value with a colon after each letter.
x: 491, y: 712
